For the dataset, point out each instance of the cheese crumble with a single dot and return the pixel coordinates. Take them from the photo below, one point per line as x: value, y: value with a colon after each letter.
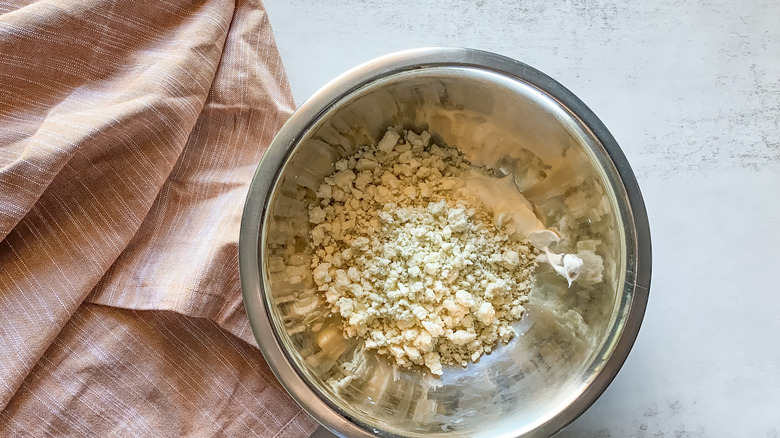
x: 421, y: 274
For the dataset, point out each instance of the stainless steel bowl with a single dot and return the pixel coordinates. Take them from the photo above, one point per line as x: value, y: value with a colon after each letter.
x: 502, y: 114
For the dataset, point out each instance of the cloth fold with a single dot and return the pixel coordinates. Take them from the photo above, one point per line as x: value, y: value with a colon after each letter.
x: 129, y: 132
x: 115, y: 372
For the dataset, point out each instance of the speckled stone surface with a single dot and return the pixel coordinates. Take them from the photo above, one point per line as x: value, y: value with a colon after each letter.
x: 691, y: 91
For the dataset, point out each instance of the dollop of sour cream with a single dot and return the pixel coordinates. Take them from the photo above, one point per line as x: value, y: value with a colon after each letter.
x: 567, y: 266
x: 512, y: 210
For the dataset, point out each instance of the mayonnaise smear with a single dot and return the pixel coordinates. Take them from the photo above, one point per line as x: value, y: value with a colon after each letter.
x: 513, y: 211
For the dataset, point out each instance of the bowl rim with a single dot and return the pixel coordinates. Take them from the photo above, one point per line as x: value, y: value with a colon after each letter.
x: 308, y: 114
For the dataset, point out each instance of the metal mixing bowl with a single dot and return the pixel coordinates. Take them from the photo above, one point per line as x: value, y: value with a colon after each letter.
x: 509, y: 117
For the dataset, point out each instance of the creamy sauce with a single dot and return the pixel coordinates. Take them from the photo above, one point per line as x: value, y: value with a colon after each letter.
x: 509, y: 206
x: 511, y: 209
x: 566, y: 265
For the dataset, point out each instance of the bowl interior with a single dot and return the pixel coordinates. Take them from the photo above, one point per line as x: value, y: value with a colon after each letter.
x: 566, y: 335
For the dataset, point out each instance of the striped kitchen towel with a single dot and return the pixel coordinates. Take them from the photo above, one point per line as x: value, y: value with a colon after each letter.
x: 129, y: 132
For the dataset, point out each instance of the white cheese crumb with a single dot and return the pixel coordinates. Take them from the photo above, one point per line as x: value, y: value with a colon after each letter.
x: 389, y: 141
x: 316, y: 215
x: 421, y: 276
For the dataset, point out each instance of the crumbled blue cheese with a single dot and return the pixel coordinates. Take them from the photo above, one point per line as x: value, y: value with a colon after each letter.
x: 423, y: 275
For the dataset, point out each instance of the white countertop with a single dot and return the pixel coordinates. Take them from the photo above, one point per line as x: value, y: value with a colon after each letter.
x: 691, y: 91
